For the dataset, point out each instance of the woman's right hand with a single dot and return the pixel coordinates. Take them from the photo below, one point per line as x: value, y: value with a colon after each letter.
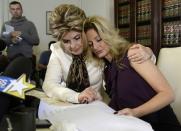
x: 139, y: 53
x: 88, y: 95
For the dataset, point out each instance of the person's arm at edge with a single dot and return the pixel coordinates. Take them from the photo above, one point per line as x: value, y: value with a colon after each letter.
x: 158, y: 82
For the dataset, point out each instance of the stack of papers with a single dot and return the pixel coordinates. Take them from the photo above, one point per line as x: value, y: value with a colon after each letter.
x: 96, y: 116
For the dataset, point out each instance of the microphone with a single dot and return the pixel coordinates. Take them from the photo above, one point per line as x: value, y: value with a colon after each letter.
x: 18, y: 66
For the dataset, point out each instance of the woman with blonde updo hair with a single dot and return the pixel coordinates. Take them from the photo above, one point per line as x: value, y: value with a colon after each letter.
x: 68, y: 77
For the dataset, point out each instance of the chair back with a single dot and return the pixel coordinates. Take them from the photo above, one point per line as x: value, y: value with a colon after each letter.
x: 169, y: 62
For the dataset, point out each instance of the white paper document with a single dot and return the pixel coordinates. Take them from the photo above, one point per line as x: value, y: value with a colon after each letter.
x: 96, y: 116
x: 9, y: 29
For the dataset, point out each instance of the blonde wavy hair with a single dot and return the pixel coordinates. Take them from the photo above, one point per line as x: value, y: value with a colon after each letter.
x: 65, y: 18
x: 118, y: 45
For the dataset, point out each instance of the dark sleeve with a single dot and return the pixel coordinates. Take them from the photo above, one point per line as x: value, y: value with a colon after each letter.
x: 32, y: 36
x: 41, y: 60
x: 2, y: 45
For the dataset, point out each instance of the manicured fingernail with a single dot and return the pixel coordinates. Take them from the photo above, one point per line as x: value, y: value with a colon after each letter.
x: 115, y: 112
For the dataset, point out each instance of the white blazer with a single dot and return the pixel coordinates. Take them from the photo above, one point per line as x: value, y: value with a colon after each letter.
x: 56, y: 75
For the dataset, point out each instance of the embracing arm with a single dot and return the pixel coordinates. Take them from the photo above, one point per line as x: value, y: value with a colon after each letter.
x: 157, y: 81
x: 54, y: 86
x: 140, y: 53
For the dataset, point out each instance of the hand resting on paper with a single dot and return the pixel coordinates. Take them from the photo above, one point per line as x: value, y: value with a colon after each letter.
x: 89, y: 95
x: 127, y: 111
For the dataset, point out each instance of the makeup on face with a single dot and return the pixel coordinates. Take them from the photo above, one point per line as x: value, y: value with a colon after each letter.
x: 98, y: 46
x: 72, y: 42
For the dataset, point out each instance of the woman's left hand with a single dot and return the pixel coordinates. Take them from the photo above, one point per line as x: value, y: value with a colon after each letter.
x: 127, y: 111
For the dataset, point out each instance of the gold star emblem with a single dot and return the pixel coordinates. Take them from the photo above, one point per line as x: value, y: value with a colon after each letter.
x: 19, y: 87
